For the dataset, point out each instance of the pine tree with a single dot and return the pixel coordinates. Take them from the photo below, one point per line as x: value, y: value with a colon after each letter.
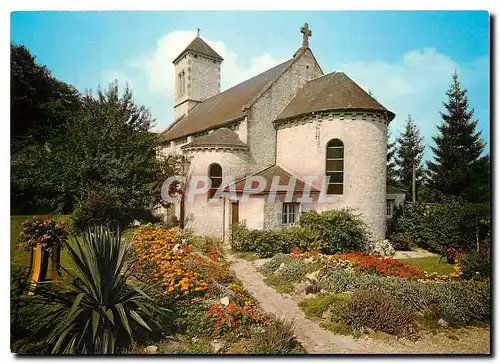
x: 458, y: 145
x: 391, y: 171
x: 409, y: 152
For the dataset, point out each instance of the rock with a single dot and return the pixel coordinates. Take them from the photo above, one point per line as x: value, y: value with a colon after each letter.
x: 313, y: 276
x: 442, y: 323
x: 151, y: 349
x: 216, y: 346
x: 308, y: 260
x: 382, y: 248
x: 301, y: 287
x: 224, y: 301
x: 279, y: 268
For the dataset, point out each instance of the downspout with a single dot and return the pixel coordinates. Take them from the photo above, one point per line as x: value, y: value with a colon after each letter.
x: 223, y: 220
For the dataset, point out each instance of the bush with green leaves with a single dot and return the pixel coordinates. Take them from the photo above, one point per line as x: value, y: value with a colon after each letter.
x: 277, y: 337
x: 315, y: 307
x: 461, y: 303
x: 292, y: 271
x: 302, y: 237
x: 264, y: 243
x: 99, y: 311
x: 402, y: 241
x: 437, y: 227
x: 337, y: 230
x: 476, y: 264
x: 274, y: 263
x: 372, y: 310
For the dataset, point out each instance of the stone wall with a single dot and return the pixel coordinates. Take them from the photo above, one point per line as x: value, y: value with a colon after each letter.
x: 365, y: 150
x: 261, y: 132
x: 206, y: 217
x: 202, y: 80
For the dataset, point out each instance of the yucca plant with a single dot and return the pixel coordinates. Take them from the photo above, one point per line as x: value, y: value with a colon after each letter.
x: 99, y: 311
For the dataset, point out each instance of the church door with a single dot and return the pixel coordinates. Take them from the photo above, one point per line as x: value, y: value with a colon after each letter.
x: 235, y: 212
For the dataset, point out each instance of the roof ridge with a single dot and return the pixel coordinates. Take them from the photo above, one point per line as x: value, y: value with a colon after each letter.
x: 270, y: 83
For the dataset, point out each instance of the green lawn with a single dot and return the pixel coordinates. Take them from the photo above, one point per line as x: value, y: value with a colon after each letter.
x: 430, y: 264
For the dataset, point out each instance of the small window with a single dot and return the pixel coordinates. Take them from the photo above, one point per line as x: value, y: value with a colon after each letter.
x: 335, y: 167
x: 390, y: 208
x: 290, y: 211
x: 215, y: 174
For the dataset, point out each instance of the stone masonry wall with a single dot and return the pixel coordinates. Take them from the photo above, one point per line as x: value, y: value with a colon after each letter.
x: 301, y: 150
x: 261, y: 132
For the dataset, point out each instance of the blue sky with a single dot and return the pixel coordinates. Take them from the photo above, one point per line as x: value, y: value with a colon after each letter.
x: 405, y: 58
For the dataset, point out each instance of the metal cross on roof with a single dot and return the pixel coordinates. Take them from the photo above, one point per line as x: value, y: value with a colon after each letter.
x: 307, y: 33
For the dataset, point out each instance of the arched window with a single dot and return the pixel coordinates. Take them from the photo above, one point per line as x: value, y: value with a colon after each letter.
x: 215, y: 174
x: 335, y: 167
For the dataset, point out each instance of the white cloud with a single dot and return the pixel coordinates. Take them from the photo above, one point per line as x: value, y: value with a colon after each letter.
x: 415, y: 85
x: 154, y: 72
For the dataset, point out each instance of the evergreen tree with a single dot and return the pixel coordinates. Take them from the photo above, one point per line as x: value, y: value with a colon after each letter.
x: 458, y: 145
x: 391, y: 171
x: 409, y: 152
x: 39, y: 102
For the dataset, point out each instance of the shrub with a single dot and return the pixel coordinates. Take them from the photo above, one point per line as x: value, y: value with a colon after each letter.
x: 461, y: 303
x: 274, y: 263
x: 339, y: 280
x: 315, y: 307
x: 264, y: 243
x: 476, y: 264
x: 277, y: 338
x: 368, y: 309
x: 79, y: 321
x: 337, y: 230
x: 302, y: 237
x: 401, y: 241
x: 450, y: 224
x: 292, y: 271
x: 103, y: 207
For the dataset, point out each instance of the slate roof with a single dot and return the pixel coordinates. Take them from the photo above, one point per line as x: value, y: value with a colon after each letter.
x: 334, y: 91
x: 268, y: 173
x: 221, y: 137
x: 224, y: 107
x: 395, y: 190
x: 199, y: 46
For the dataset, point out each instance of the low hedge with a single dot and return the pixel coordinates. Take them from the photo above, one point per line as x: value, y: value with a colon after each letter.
x: 329, y: 232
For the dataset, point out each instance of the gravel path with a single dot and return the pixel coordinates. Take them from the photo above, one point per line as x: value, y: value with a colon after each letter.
x: 417, y: 253
x: 312, y: 337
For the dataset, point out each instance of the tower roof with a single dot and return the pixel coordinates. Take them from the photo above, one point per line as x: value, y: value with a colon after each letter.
x: 199, y: 46
x: 222, y: 137
x: 334, y: 91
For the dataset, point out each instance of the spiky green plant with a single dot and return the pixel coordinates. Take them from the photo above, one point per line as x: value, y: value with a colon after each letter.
x: 99, y: 311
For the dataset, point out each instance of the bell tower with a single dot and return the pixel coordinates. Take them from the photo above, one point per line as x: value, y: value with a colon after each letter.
x: 197, y: 76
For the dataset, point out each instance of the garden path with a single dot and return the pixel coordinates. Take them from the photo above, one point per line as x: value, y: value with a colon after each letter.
x: 312, y: 337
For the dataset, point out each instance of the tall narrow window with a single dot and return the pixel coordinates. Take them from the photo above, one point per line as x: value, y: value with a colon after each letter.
x: 183, y: 90
x: 215, y: 174
x: 335, y: 167
x: 179, y: 83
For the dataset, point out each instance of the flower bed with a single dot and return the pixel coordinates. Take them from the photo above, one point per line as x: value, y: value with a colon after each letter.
x: 161, y: 260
